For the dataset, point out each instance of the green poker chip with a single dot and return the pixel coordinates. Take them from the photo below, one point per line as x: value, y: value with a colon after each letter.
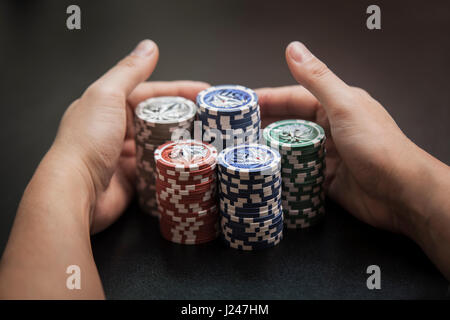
x: 301, y: 205
x: 291, y: 182
x: 301, y: 145
x: 296, y: 219
x: 302, y: 191
x: 300, y: 153
x: 302, y: 161
x: 294, y: 134
x: 301, y: 196
x: 295, y: 171
x: 303, y: 174
x: 293, y: 214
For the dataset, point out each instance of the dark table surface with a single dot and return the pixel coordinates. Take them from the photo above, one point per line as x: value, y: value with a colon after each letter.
x: 405, y: 66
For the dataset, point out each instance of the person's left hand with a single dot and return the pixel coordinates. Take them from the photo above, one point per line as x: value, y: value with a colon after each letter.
x: 95, y: 136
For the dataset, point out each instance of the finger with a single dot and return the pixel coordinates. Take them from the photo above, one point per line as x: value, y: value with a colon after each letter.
x: 186, y: 89
x: 285, y: 102
x: 315, y: 76
x: 121, y: 80
x: 265, y: 121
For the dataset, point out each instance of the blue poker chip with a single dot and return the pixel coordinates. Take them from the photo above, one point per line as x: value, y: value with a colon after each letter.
x: 264, y: 220
x: 240, y: 214
x: 253, y: 237
x: 254, y: 121
x: 256, y: 184
x: 226, y: 119
x: 232, y: 134
x: 254, y: 226
x: 227, y: 99
x: 249, y: 160
x: 252, y: 214
x: 251, y: 198
x: 240, y: 229
x: 250, y: 204
x: 231, y: 209
x: 227, y: 129
x: 247, y: 247
x: 255, y: 244
x: 247, y: 227
x: 238, y: 187
x: 254, y: 179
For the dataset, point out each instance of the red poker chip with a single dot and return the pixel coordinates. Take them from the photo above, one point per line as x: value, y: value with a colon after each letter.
x: 201, y: 198
x: 175, y: 171
x: 186, y: 191
x: 188, y: 187
x: 182, y: 175
x: 187, y: 205
x: 207, y: 221
x: 202, y: 229
x: 170, y: 181
x: 169, y: 190
x: 188, y: 215
x: 209, y: 179
x: 206, y: 196
x: 183, y: 212
x: 186, y: 211
x: 176, y: 217
x: 185, y: 195
x: 185, y: 223
x: 186, y: 155
x: 188, y: 199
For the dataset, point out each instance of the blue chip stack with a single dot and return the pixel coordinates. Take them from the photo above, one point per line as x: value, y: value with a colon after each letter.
x: 230, y: 116
x: 250, y: 196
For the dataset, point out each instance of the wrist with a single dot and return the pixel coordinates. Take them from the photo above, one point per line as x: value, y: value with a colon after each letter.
x: 422, y: 199
x: 63, y: 179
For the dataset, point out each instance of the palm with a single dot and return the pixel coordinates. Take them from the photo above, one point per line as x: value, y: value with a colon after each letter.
x: 352, y: 186
x: 114, y: 200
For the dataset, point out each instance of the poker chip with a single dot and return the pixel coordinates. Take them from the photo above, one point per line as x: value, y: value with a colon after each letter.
x: 229, y: 115
x: 186, y: 191
x: 301, y: 145
x: 251, y: 213
x: 157, y: 121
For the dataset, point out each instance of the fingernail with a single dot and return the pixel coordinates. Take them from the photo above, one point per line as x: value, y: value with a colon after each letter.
x: 144, y: 48
x: 299, y: 52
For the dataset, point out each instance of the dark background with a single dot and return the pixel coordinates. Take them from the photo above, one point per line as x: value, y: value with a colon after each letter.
x: 405, y: 66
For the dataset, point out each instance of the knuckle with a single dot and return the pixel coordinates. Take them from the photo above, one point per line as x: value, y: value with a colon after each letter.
x: 361, y: 92
x: 128, y: 62
x: 318, y: 69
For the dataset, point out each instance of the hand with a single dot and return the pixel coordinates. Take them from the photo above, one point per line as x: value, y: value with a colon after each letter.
x: 96, y: 133
x: 368, y: 157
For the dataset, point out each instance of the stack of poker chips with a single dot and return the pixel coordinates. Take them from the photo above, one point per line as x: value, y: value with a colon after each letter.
x: 186, y: 187
x: 230, y: 115
x: 157, y: 120
x: 250, y: 197
x: 302, y: 147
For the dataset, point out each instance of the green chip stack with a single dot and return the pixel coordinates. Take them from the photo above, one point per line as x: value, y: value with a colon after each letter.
x: 301, y: 145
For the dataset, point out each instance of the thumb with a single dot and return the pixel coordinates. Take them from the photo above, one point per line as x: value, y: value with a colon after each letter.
x: 314, y: 75
x: 120, y: 80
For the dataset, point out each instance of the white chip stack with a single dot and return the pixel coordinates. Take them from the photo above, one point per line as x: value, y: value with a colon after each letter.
x: 157, y: 121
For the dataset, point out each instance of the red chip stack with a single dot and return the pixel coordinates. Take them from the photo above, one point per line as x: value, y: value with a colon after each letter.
x: 186, y: 191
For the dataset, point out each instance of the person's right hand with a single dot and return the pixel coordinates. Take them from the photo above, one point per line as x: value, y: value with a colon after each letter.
x: 371, y: 164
